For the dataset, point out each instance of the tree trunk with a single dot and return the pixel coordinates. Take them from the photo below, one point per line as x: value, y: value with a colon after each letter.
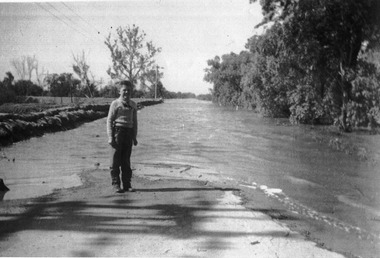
x: 344, y: 124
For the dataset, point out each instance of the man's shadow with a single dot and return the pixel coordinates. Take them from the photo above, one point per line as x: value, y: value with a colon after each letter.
x: 3, y: 189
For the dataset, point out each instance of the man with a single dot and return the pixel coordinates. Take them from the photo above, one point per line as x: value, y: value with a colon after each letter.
x: 122, y: 132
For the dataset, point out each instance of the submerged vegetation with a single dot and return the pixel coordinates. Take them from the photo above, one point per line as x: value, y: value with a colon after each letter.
x: 315, y: 63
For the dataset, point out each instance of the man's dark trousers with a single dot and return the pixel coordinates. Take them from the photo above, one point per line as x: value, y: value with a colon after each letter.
x: 121, y: 157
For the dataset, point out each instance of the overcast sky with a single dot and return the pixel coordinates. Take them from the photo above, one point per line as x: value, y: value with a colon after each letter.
x: 189, y: 32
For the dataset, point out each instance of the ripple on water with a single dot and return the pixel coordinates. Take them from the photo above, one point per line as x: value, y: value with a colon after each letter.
x: 298, y: 208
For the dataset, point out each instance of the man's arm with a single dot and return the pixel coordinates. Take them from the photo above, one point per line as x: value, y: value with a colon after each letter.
x: 110, y: 121
x: 135, y: 126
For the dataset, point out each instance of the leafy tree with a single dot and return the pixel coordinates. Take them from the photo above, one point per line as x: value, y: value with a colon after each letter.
x: 206, y: 97
x: 6, y: 88
x: 364, y: 107
x: 327, y: 38
x: 267, y: 78
x: 138, y: 93
x: 8, y: 79
x: 109, y: 91
x: 226, y: 74
x: 27, y: 88
x: 62, y: 85
x: 185, y: 95
x: 132, y: 56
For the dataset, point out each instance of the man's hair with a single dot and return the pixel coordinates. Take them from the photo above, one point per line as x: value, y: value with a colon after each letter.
x: 126, y: 83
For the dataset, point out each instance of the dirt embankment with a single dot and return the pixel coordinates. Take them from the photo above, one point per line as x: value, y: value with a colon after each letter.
x: 18, y: 127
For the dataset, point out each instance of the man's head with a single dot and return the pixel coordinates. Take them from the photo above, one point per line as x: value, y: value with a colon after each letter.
x: 126, y: 90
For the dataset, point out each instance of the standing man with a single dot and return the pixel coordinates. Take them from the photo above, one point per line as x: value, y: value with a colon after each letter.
x: 122, y: 133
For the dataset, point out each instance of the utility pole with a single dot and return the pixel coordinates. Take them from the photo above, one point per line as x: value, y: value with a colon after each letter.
x: 155, y: 88
x: 69, y: 78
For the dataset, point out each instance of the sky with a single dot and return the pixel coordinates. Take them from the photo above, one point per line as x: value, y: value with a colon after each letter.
x: 189, y: 32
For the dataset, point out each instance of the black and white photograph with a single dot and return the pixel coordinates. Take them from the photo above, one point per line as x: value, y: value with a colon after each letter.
x: 178, y: 128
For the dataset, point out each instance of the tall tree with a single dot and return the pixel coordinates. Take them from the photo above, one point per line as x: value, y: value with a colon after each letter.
x: 25, y: 66
x: 226, y: 75
x: 27, y: 88
x: 132, y: 56
x: 7, y: 90
x: 8, y: 79
x: 338, y: 30
x: 81, y: 68
x: 62, y: 85
x: 40, y: 75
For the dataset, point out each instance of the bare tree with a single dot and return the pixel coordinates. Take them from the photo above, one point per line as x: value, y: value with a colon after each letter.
x: 25, y: 66
x: 81, y: 68
x: 40, y: 75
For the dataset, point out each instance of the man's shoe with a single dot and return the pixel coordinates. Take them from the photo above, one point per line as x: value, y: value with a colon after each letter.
x: 131, y: 190
x: 117, y: 189
x: 128, y: 187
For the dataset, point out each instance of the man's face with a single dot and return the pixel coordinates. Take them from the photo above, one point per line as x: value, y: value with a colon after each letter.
x: 125, y: 92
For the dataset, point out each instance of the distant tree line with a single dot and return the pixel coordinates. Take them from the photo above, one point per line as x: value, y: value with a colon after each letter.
x: 132, y: 59
x: 66, y: 85
x: 317, y: 62
x: 151, y: 92
x: 206, y: 97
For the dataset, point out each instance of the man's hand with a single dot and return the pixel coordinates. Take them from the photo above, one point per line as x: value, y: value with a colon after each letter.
x: 113, y: 144
x: 135, y: 142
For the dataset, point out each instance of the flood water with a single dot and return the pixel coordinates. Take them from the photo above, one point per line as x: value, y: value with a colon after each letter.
x: 309, y: 177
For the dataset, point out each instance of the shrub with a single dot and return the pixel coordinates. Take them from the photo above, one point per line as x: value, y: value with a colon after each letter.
x: 7, y: 94
x: 363, y: 108
x: 27, y: 88
x: 305, y: 105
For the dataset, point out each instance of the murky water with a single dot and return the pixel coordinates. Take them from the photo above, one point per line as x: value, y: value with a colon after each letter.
x: 283, y: 161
